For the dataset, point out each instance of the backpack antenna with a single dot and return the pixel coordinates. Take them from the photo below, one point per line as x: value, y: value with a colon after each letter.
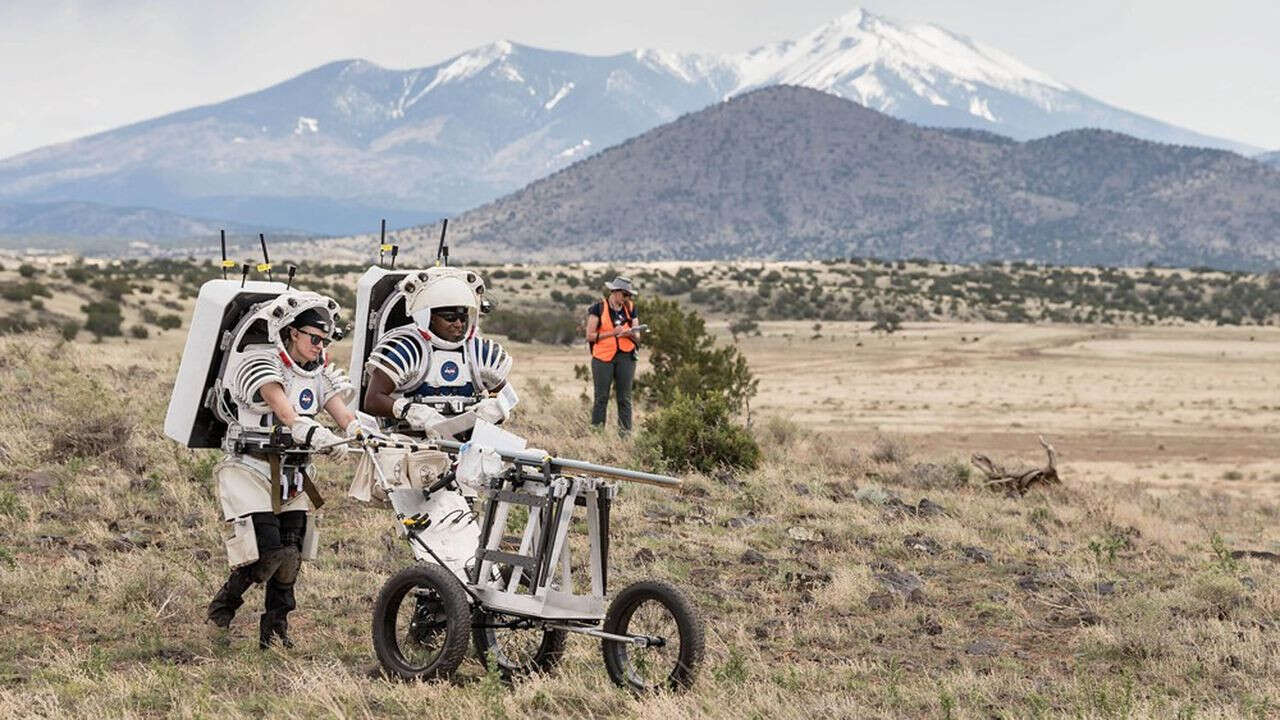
x: 383, y: 247
x: 293, y: 270
x: 266, y: 260
x: 225, y: 263
x: 442, y: 251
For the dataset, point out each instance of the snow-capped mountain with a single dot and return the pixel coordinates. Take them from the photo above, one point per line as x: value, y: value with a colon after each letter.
x: 336, y: 148
x: 930, y: 76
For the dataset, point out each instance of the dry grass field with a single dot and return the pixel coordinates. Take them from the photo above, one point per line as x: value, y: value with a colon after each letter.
x: 1121, y: 593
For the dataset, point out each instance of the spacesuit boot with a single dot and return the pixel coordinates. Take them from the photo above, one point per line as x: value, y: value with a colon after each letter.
x: 231, y: 596
x: 274, y: 623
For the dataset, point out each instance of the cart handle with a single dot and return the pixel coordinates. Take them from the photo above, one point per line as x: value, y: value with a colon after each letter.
x: 563, y: 466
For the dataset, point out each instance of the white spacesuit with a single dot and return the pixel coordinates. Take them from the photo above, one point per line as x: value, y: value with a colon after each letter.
x: 439, y: 383
x: 427, y: 372
x: 274, y: 379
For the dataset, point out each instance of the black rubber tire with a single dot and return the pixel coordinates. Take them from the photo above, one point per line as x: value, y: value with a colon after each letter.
x: 549, y: 651
x: 620, y: 658
x: 454, y: 607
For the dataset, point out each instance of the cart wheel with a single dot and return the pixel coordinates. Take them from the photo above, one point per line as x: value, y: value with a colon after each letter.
x: 420, y: 623
x: 656, y: 609
x: 522, y: 649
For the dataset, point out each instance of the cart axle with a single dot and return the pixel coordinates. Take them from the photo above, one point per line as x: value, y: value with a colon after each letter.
x: 638, y: 640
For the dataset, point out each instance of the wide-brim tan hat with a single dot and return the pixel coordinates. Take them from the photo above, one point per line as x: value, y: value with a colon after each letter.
x: 620, y: 283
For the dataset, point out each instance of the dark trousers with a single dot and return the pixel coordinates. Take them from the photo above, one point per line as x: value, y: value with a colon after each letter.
x: 279, y: 560
x: 618, y: 373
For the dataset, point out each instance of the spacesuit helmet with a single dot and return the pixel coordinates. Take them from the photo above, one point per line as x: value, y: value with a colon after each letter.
x: 298, y: 309
x: 441, y: 289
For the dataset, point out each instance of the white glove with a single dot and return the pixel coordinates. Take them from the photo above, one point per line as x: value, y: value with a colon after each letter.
x: 489, y: 410
x: 493, y: 363
x: 419, y: 416
x: 308, y: 433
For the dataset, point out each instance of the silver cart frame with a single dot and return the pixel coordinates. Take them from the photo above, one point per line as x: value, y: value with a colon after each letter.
x: 536, y: 581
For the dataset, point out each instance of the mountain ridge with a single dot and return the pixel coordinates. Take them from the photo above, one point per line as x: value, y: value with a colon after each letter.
x: 370, y: 141
x: 791, y: 173
x: 102, y: 229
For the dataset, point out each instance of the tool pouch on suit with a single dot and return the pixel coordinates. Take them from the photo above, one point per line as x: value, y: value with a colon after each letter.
x: 241, y: 541
x: 311, y: 539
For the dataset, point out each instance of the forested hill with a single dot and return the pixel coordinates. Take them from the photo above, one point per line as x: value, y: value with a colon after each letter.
x: 792, y: 173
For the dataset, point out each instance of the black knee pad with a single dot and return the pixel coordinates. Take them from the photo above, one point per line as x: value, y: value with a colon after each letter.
x: 290, y: 564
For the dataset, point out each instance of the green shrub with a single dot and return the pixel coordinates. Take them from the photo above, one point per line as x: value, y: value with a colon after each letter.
x: 113, y: 288
x: 27, y: 271
x: 139, y: 332
x: 103, y: 318
x: 698, y: 432
x: 554, y: 327
x: 68, y: 329
x: 685, y: 359
x: 16, y: 322
x: 743, y: 326
x: 23, y: 291
x: 887, y: 322
x: 168, y: 322
x: 11, y: 506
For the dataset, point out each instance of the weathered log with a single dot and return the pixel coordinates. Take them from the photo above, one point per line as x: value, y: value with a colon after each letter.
x: 1018, y: 483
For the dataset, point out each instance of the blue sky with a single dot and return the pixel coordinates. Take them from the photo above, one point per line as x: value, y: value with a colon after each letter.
x: 69, y: 68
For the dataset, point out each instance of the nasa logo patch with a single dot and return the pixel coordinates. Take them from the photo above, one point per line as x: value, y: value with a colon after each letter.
x: 306, y: 399
x: 449, y: 371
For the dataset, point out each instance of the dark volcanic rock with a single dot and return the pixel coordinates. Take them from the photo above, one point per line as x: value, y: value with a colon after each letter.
x: 1041, y: 580
x: 922, y: 543
x: 746, y: 521
x: 882, y: 600
x: 929, y: 508
x: 905, y: 585
x: 977, y: 554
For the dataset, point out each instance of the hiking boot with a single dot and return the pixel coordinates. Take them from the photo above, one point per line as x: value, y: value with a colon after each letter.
x: 272, y: 627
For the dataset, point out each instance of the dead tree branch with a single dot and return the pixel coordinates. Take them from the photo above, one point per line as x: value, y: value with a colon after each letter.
x: 1018, y: 483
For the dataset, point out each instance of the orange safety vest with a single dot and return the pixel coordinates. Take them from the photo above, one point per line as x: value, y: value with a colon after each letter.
x: 604, y: 348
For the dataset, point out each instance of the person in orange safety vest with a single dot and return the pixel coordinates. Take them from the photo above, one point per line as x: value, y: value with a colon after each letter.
x: 613, y: 335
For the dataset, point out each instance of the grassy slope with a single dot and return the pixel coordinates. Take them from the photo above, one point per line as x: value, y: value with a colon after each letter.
x: 109, y: 551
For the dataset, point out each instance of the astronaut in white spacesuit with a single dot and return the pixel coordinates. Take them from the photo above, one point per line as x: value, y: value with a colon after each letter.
x: 438, y: 367
x: 274, y: 386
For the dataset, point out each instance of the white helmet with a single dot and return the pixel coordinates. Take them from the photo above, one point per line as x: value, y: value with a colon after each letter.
x: 443, y: 287
x: 281, y: 312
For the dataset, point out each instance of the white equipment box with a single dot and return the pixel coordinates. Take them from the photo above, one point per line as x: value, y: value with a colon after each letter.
x: 219, y: 306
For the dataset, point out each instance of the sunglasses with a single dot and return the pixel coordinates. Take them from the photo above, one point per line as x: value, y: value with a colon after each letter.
x: 315, y: 339
x: 450, y: 316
